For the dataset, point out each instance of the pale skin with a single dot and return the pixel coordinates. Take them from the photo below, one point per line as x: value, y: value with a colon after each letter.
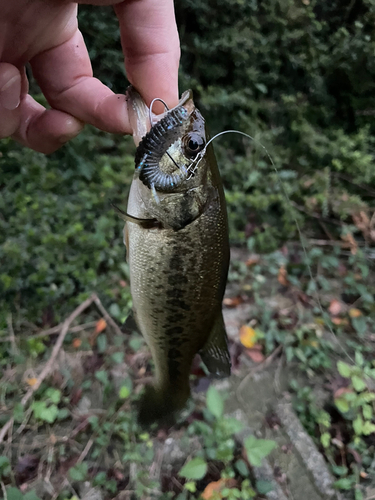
x: 45, y: 34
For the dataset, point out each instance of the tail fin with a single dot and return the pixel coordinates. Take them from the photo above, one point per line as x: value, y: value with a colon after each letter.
x: 161, y: 406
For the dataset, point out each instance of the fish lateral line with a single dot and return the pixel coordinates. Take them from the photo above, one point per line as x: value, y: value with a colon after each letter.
x: 145, y: 223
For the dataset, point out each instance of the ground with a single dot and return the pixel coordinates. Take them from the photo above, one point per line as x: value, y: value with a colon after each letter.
x: 300, y: 326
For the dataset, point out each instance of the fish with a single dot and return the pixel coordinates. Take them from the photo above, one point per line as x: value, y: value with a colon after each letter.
x: 176, y: 236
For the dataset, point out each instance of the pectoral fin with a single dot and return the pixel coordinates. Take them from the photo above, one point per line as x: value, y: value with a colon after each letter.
x: 215, y: 354
x: 130, y: 324
x: 145, y: 223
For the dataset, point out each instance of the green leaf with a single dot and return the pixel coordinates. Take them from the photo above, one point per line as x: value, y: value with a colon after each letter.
x: 344, y: 369
x: 263, y: 487
x: 118, y: 357
x: 190, y: 486
x: 102, y: 376
x: 43, y: 412
x: 215, y: 402
x: 342, y: 405
x: 368, y: 428
x: 101, y: 343
x: 257, y: 449
x: 358, y: 495
x: 232, y: 425
x: 4, y: 466
x: 124, y: 392
x: 78, y: 472
x: 358, y: 383
x: 367, y: 412
x: 325, y: 439
x: 14, y: 494
x: 53, y: 394
x: 241, y: 466
x: 345, y: 483
x: 31, y: 495
x: 194, y: 469
x: 358, y: 425
x: 359, y: 360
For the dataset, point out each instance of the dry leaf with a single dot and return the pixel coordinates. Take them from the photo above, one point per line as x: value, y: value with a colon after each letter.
x: 216, y: 487
x: 336, y: 307
x: 355, y: 313
x: 252, y: 260
x: 31, y: 381
x: 255, y: 355
x: 282, y: 277
x: 349, y: 239
x: 341, y: 391
x: 76, y: 343
x: 100, y: 325
x: 247, y: 336
x: 339, y: 321
x: 233, y: 301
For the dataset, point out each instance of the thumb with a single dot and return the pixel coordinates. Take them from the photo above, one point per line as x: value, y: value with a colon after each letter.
x: 10, y: 96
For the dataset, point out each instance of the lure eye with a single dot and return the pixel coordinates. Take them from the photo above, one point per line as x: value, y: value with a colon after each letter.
x: 193, y: 144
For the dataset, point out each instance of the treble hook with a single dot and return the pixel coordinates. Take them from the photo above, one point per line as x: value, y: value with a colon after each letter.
x: 152, y: 103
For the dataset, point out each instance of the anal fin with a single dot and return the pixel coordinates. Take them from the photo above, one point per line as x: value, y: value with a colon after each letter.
x: 215, y: 354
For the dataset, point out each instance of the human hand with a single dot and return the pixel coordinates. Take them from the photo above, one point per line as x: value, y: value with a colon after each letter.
x: 45, y: 33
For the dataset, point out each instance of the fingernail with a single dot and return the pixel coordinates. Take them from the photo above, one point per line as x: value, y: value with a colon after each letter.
x: 10, y: 93
x: 77, y: 127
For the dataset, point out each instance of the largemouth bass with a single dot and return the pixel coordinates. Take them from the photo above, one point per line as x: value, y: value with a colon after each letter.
x: 176, y: 237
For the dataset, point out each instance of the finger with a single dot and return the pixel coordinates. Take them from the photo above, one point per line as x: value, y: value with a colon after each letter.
x: 151, y: 47
x: 44, y: 130
x: 10, y: 94
x: 64, y: 74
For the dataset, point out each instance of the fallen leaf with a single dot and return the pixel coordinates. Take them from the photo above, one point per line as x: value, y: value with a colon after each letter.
x: 339, y: 321
x: 233, y: 301
x: 255, y: 355
x: 341, y: 391
x: 363, y: 474
x: 282, y: 276
x: 336, y: 307
x: 100, y: 325
x: 252, y: 260
x: 31, y: 381
x: 355, y: 313
x: 349, y: 239
x: 76, y: 343
x: 247, y: 336
x: 216, y: 487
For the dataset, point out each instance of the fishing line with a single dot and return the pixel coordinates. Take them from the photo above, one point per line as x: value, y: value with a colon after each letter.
x: 324, y: 313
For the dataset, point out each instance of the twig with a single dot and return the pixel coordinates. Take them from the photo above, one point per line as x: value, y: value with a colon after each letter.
x: 49, y: 366
x: 86, y: 449
x: 268, y: 359
x: 12, y: 337
x: 107, y: 317
x: 4, y: 491
x: 315, y: 215
x: 56, y: 329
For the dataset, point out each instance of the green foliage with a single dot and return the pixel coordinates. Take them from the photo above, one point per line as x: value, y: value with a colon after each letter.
x: 196, y: 468
x: 357, y: 402
x: 217, y: 435
x: 59, y: 237
x: 257, y: 449
x: 16, y: 494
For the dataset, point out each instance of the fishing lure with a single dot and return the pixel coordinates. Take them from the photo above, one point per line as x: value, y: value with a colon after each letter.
x: 156, y: 143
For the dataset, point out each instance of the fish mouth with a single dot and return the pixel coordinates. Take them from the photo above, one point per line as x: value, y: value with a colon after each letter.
x: 141, y: 118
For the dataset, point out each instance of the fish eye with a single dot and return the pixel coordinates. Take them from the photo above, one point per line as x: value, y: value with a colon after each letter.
x: 193, y: 144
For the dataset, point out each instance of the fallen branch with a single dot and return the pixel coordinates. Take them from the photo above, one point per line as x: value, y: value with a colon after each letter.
x: 54, y: 330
